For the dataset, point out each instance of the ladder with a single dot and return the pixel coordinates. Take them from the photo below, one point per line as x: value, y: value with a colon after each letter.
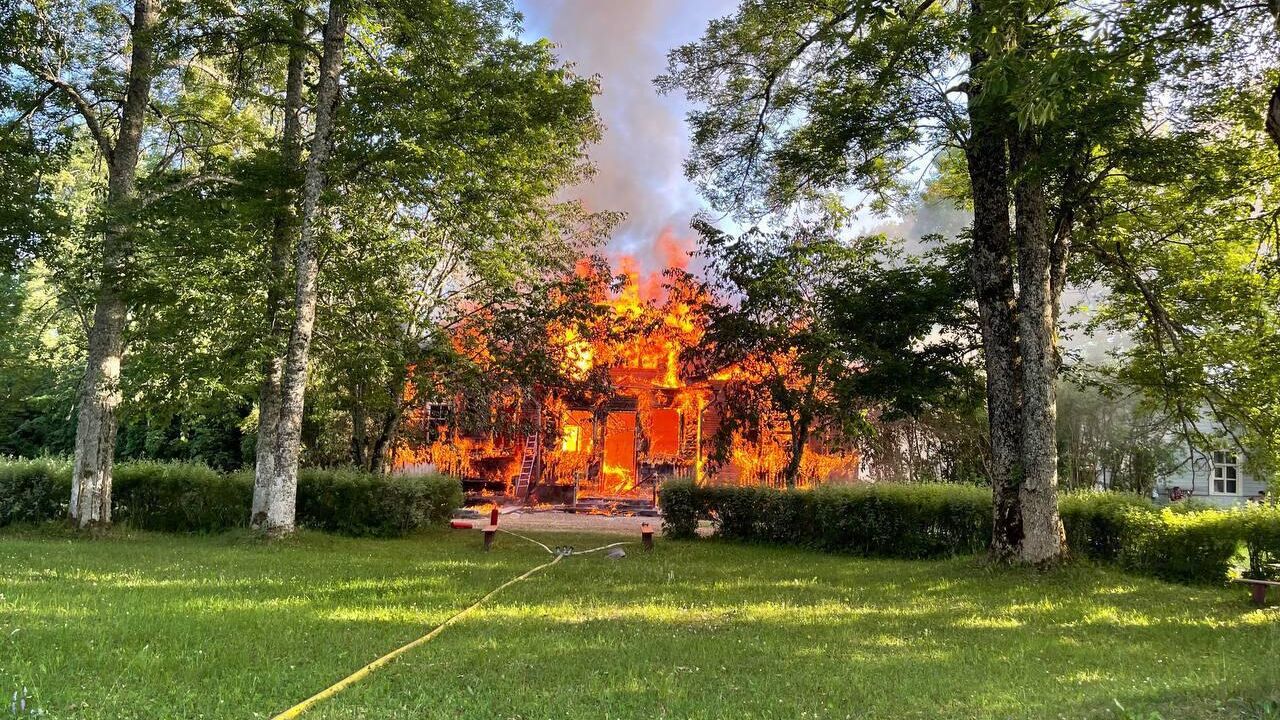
x: 528, y: 460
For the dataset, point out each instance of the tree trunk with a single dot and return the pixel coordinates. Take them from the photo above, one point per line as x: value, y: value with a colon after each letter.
x: 282, y: 484
x: 380, y: 455
x: 359, y: 428
x: 1043, y: 539
x: 799, y: 440
x: 992, y: 268
x: 277, y: 287
x: 1272, y: 122
x: 100, y: 392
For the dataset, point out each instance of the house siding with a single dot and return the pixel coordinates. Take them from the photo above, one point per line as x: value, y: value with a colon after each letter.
x: 1196, y: 477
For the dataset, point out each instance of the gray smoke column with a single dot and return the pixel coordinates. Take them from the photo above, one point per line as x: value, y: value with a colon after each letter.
x: 639, y: 161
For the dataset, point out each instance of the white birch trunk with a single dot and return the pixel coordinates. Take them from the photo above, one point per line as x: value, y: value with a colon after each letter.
x: 282, y: 481
x: 277, y: 291
x: 100, y: 392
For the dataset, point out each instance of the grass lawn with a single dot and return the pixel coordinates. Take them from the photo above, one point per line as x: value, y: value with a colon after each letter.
x: 151, y: 626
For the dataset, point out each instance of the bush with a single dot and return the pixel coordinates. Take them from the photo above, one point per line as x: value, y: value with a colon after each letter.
x: 1259, y: 525
x: 920, y: 521
x: 873, y: 520
x: 1095, y: 522
x: 179, y: 497
x: 356, y: 503
x: 1183, y: 547
x: 912, y: 521
x: 189, y: 497
x: 679, y: 514
x: 34, y: 490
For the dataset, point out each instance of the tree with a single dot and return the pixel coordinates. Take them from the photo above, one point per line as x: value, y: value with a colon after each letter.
x: 821, y: 332
x: 450, y: 138
x: 70, y: 67
x: 845, y: 100
x: 1186, y: 241
x: 801, y: 101
x: 1108, y: 438
x: 276, y: 484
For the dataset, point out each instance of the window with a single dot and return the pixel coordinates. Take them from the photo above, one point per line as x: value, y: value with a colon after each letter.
x: 1226, y: 473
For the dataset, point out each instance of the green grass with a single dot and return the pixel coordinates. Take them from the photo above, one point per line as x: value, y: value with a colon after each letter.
x: 151, y: 626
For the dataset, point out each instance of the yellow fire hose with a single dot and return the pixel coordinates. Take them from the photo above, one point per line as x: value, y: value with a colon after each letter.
x: 356, y: 676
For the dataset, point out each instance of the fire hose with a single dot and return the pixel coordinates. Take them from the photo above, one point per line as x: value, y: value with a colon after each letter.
x: 558, y: 554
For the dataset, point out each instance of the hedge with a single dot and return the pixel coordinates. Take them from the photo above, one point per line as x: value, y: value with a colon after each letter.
x: 189, y: 497
x: 33, y: 490
x: 179, y: 497
x: 917, y: 521
x: 911, y: 521
x: 359, y: 503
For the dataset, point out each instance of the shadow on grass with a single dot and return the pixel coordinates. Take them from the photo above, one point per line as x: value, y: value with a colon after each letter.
x: 219, y: 627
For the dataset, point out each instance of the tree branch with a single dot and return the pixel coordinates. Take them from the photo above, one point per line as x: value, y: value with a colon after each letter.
x: 82, y: 106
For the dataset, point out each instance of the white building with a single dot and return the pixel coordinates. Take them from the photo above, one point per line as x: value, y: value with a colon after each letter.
x: 1218, y: 476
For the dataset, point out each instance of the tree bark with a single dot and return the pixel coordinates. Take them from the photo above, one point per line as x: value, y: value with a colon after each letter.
x: 1043, y: 539
x: 992, y: 269
x: 799, y: 439
x: 1272, y: 122
x: 282, y: 483
x: 277, y: 287
x: 380, y: 455
x: 359, y: 427
x: 100, y: 393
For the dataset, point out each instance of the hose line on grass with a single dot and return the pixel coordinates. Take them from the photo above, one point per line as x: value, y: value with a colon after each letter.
x: 559, y: 554
x: 360, y: 674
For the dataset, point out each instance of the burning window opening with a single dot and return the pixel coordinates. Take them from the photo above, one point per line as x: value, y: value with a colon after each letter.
x: 612, y: 452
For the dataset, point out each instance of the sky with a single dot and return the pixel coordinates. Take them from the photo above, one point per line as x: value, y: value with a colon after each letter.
x: 640, y: 159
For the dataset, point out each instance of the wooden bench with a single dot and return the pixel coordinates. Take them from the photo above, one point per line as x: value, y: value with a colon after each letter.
x: 1258, y: 588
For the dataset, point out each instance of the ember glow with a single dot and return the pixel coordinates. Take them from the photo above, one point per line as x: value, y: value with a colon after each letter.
x: 655, y: 422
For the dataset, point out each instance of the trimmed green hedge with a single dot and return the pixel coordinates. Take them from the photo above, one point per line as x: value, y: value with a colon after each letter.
x: 189, y: 497
x: 913, y: 521
x: 33, y: 490
x: 1182, y: 547
x: 917, y: 521
x: 358, y: 503
x: 1095, y: 522
x: 179, y: 497
x: 1259, y: 525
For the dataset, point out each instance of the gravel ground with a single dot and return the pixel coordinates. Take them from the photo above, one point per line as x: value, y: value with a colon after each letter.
x: 552, y: 521
x: 526, y: 520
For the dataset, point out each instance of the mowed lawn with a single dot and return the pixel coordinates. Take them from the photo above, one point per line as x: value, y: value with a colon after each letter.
x: 152, y: 626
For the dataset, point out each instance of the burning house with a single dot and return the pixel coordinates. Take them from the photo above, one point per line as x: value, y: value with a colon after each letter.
x: 652, y: 424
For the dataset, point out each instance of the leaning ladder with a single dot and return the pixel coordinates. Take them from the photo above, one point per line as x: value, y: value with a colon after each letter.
x: 528, y: 460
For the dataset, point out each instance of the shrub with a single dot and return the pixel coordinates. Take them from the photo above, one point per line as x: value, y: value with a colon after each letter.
x: 679, y: 513
x: 179, y: 497
x: 874, y: 520
x: 912, y: 521
x: 1259, y: 525
x: 1095, y: 522
x: 920, y: 521
x: 189, y: 497
x: 357, y: 503
x: 1183, y: 547
x: 34, y: 490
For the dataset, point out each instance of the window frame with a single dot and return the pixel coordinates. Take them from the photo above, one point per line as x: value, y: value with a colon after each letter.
x: 1225, y: 460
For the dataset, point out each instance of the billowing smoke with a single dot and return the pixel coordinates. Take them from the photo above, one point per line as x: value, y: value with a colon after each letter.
x: 640, y: 159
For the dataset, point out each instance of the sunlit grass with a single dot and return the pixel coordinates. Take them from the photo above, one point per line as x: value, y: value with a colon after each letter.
x: 149, y: 626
